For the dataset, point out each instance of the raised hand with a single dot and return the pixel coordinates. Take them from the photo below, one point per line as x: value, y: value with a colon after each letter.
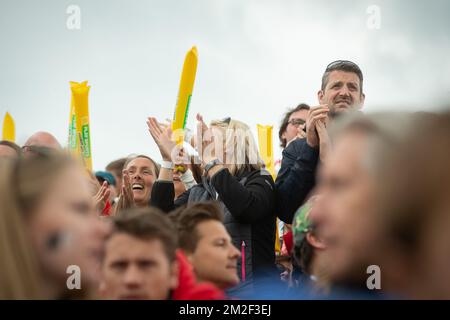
x: 126, y: 198
x: 102, y: 196
x: 207, y: 151
x: 163, y: 139
x: 324, y: 140
x: 316, y: 114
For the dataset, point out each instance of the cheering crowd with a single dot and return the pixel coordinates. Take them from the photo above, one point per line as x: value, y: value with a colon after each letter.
x: 360, y: 208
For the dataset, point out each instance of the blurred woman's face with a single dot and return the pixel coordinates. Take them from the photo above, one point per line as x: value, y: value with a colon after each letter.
x: 66, y: 231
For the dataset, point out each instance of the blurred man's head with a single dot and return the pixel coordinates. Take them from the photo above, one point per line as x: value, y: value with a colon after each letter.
x: 139, y: 260
x: 9, y: 149
x: 346, y: 216
x: 342, y: 87
x: 41, y: 140
x: 207, y: 244
x: 415, y: 203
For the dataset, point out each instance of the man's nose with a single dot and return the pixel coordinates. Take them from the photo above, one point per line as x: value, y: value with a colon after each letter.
x: 132, y: 277
x: 344, y: 91
x: 234, y: 252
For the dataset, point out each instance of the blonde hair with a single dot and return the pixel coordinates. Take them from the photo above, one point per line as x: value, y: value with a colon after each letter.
x: 18, y: 265
x: 23, y: 185
x: 238, y: 137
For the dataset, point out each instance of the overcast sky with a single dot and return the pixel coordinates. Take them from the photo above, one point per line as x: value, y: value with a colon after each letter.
x: 256, y: 58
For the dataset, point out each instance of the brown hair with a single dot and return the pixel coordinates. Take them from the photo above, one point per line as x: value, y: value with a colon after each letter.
x: 116, y: 166
x: 303, y: 255
x: 131, y: 158
x: 285, y: 122
x: 148, y: 224
x: 342, y: 65
x: 187, y: 219
x: 12, y: 145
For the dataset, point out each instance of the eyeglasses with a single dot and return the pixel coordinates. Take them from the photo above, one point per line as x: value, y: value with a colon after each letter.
x: 37, y: 150
x: 297, y: 122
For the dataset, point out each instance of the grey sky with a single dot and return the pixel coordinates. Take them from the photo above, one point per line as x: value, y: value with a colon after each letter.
x: 256, y: 58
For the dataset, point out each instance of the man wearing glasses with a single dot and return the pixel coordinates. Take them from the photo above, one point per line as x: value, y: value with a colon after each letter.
x: 293, y: 124
x: 40, y: 142
x: 341, y: 91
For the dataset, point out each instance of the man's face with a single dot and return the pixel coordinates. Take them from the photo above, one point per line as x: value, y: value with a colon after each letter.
x: 215, y: 257
x: 142, y: 176
x: 343, y: 216
x: 293, y: 129
x: 137, y: 269
x: 342, y: 92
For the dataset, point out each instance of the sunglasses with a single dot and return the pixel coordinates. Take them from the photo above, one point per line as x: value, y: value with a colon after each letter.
x: 340, y: 62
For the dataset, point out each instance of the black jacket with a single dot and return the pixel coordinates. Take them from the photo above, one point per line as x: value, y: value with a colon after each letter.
x: 248, y: 202
x: 296, y: 178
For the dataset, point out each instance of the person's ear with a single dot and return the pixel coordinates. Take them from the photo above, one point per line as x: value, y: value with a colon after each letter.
x: 363, y: 98
x: 174, y: 273
x: 320, y: 95
x: 315, y: 241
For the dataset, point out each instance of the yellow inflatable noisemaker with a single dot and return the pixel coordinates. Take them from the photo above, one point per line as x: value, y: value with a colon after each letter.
x: 9, y: 129
x: 79, y: 126
x: 184, y: 94
x: 266, y: 151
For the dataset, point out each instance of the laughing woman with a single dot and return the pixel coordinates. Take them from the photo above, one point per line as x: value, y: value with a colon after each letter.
x: 139, y: 174
x: 244, y: 190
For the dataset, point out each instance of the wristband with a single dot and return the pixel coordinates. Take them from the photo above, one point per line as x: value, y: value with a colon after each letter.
x: 167, y: 165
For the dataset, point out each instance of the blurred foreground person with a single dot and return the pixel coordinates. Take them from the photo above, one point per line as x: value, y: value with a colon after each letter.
x: 48, y: 229
x: 347, y: 218
x: 9, y: 149
x: 415, y: 206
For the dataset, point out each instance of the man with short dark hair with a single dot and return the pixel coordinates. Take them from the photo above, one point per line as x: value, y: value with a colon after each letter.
x: 140, y: 257
x: 341, y: 91
x: 207, y: 244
